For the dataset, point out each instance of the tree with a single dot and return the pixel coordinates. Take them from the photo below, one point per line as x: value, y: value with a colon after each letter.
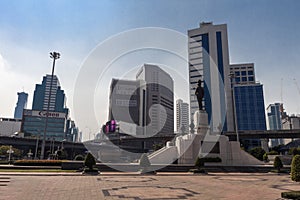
x: 4, y: 148
x: 89, y: 161
x: 278, y: 164
x: 257, y: 152
x: 295, y: 168
x: 294, y: 151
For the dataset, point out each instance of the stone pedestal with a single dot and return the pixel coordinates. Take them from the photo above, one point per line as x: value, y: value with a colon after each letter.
x: 201, y: 122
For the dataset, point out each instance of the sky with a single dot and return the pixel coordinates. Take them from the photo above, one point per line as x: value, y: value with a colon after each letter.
x: 263, y: 32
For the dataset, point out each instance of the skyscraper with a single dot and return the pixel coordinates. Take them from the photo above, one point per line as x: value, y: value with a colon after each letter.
x: 159, y: 100
x: 33, y: 122
x: 124, y: 103
x: 249, y: 101
x: 182, y: 116
x: 274, y: 121
x: 209, y: 61
x: 21, y: 104
x: 41, y: 95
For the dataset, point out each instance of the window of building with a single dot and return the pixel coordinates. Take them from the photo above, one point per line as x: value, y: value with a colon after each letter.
x: 251, y: 78
x: 244, y: 73
x: 250, y: 73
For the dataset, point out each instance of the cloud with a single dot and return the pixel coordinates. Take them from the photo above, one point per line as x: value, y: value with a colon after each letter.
x: 11, y: 83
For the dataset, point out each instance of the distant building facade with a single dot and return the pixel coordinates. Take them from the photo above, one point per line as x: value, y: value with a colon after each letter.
x: 21, y: 104
x: 60, y: 126
x: 249, y: 101
x: 158, y: 92
x: 126, y: 105
x: 9, y: 127
x: 274, y: 121
x: 209, y: 61
x: 182, y: 116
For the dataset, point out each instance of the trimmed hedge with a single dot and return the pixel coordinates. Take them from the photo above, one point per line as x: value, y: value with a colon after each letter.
x: 277, y: 163
x: 38, y: 162
x: 295, y: 168
x: 291, y: 195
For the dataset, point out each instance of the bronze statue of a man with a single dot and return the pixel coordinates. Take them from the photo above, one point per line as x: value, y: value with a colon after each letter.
x: 200, y: 94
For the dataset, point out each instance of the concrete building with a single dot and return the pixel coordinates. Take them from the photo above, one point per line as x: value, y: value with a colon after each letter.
x: 9, y: 127
x: 289, y: 123
x: 209, y: 61
x: 249, y: 101
x: 126, y: 104
x: 243, y: 73
x: 182, y: 116
x: 21, y: 104
x: 274, y: 121
x: 159, y: 100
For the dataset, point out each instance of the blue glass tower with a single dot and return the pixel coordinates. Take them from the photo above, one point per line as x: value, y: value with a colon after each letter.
x: 249, y: 101
x: 21, y: 105
x: 33, y: 122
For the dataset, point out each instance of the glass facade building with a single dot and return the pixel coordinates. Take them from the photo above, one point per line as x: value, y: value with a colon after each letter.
x: 274, y: 121
x: 59, y: 126
x: 21, y: 104
x: 250, y: 110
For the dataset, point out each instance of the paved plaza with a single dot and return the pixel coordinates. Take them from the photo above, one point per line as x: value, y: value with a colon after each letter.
x: 149, y: 187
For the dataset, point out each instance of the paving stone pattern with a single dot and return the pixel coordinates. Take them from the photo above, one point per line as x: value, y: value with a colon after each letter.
x: 149, y: 187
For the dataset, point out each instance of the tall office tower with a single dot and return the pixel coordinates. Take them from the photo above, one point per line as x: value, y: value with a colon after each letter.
x: 209, y: 60
x: 21, y: 104
x: 41, y: 96
x: 274, y: 121
x: 159, y: 98
x: 34, y: 121
x: 124, y: 103
x: 182, y: 116
x: 249, y: 101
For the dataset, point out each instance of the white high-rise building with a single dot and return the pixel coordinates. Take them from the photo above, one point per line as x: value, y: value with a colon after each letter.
x: 158, y: 98
x: 182, y: 116
x: 209, y: 61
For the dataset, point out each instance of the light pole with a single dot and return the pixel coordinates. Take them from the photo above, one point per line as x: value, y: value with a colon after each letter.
x: 36, y: 147
x: 232, y: 82
x: 54, y: 56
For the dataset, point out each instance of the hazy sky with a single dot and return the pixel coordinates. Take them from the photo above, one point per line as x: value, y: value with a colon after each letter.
x: 264, y: 32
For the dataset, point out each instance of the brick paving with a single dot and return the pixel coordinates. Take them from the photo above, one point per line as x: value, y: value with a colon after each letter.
x: 162, y: 186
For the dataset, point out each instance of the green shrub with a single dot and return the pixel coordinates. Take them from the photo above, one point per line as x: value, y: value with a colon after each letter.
x: 294, y: 151
x: 38, y: 162
x: 277, y: 163
x: 89, y: 161
x: 265, y: 157
x: 257, y: 152
x: 295, y: 168
x: 291, y: 195
x: 79, y: 157
x: 273, y: 153
x: 199, y: 163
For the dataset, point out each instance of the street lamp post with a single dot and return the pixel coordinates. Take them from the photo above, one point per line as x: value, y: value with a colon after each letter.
x: 232, y: 80
x: 54, y: 56
x: 36, y: 147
